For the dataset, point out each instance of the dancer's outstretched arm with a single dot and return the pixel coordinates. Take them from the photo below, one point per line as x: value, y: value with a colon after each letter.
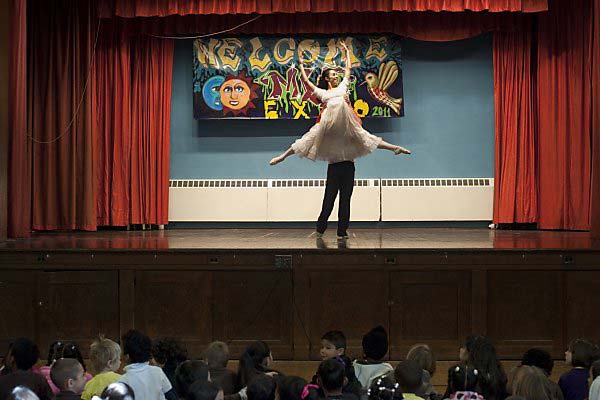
x: 348, y: 65
x: 303, y: 75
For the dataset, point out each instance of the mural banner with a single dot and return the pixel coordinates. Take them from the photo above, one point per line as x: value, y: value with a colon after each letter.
x: 258, y: 77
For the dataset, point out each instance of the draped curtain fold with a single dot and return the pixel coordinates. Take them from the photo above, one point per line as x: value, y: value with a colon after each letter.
x: 163, y: 8
x: 515, y: 188
x: 595, y: 71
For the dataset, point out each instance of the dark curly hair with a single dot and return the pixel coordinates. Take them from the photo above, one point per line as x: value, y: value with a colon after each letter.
x: 137, y: 346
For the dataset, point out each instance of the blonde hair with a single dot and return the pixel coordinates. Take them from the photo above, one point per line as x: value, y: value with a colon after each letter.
x: 216, y: 354
x: 422, y: 355
x: 102, y: 351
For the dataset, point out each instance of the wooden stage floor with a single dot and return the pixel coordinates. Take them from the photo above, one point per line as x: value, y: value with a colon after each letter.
x: 304, y: 239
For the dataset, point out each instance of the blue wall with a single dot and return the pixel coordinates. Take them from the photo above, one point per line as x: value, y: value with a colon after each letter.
x: 449, y: 123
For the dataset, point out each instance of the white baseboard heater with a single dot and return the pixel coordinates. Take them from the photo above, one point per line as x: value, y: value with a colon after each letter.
x: 299, y: 200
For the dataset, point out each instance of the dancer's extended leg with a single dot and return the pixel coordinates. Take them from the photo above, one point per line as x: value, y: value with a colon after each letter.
x: 392, y: 147
x: 281, y: 157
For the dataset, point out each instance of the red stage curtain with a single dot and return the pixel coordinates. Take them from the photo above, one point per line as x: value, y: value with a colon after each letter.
x: 59, y: 48
x: 595, y: 69
x: 564, y: 96
x: 515, y: 193
x: 132, y: 97
x: 163, y: 8
x: 19, y: 165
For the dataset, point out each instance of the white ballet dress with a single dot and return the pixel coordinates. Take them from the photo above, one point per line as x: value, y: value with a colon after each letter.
x: 339, y: 135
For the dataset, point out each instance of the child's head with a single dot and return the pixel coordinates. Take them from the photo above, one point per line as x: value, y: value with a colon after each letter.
x: 581, y: 353
x: 538, y: 358
x: 462, y: 378
x: 331, y: 375
x: 333, y: 343
x: 409, y: 375
x: 375, y: 344
x: 384, y: 389
x: 204, y: 391
x: 105, y: 355
x: 531, y: 383
x: 23, y: 354
x: 256, y: 358
x: 262, y: 387
x: 68, y: 375
x: 422, y: 355
x: 136, y: 346
x: 168, y: 351
x: 595, y: 369
x: 118, y: 391
x: 71, y: 350
x: 187, y: 373
x: 54, y: 352
x: 216, y: 355
x: 291, y: 388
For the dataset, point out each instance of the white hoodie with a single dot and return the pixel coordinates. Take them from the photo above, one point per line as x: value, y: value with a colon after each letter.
x: 366, y: 373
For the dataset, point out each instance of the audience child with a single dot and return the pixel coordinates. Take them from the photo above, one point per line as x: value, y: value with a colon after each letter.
x: 384, y: 389
x: 117, y: 391
x: 148, y: 382
x: 595, y: 387
x: 371, y: 367
x: 69, y: 377
x: 580, y: 355
x: 293, y: 388
x: 255, y: 361
x: 168, y: 353
x: 216, y: 355
x: 204, y: 391
x: 462, y: 383
x: 331, y: 378
x: 423, y: 355
x: 531, y: 383
x: 23, y: 354
x: 409, y: 376
x: 57, y: 351
x: 105, y: 357
x: 261, y: 387
x: 543, y: 360
x: 187, y: 373
x: 23, y: 393
x: 333, y: 345
x: 479, y: 353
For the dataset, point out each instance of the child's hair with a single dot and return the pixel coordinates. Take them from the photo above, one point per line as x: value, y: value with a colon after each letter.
x: 169, y: 351
x: 200, y: 390
x: 23, y: 393
x: 422, y: 355
x: 462, y: 378
x: 331, y: 373
x: 71, y: 350
x: 595, y: 369
x: 375, y: 343
x: 118, y: 391
x: 384, y: 389
x: 336, y: 338
x: 54, y: 352
x: 251, y: 362
x: 216, y: 354
x: 538, y: 358
x: 262, y: 387
x: 353, y: 386
x: 187, y: 373
x: 64, y: 369
x: 531, y: 383
x: 25, y: 353
x: 482, y: 356
x: 102, y: 351
x: 291, y: 387
x: 322, y: 82
x: 583, y: 353
x: 136, y: 346
x: 409, y: 375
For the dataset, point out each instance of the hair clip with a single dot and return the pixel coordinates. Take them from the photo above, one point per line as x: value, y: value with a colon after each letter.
x: 475, y: 372
x: 457, y: 369
x: 305, y: 390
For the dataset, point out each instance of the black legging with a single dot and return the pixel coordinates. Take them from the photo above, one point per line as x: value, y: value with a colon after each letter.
x: 340, y: 177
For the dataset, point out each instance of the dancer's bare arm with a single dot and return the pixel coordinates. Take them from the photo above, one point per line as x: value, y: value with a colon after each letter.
x: 348, y: 65
x: 304, y: 77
